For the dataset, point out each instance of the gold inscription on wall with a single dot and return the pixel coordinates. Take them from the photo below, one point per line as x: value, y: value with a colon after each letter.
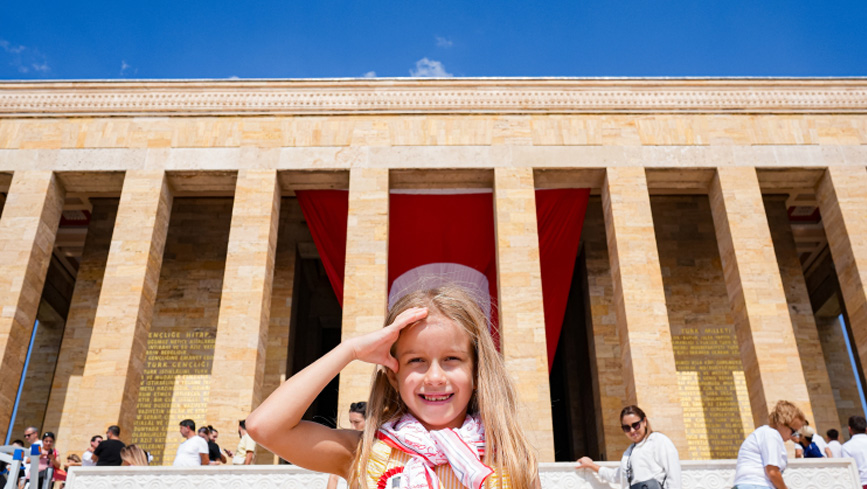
x: 175, y: 386
x: 709, y: 367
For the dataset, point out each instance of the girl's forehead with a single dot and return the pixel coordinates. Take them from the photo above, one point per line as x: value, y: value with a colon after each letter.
x: 433, y: 325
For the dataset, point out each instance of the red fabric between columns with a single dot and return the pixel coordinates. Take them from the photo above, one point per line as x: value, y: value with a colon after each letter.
x: 457, y: 228
x: 444, y: 228
x: 560, y: 217
x: 326, y: 213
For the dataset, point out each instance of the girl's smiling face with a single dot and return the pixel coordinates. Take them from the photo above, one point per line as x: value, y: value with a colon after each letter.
x: 435, y: 374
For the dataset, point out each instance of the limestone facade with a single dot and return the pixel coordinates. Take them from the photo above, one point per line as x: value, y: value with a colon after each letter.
x: 693, y: 273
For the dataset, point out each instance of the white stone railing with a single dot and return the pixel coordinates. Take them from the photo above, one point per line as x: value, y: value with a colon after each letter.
x: 697, y: 474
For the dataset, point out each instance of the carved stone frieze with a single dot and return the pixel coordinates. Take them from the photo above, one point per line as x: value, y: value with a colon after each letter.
x: 697, y: 474
x: 409, y: 96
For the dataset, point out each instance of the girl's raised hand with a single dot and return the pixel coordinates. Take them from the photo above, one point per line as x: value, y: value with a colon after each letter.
x: 375, y: 347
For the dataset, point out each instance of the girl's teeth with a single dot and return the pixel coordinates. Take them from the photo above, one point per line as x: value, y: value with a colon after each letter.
x: 436, y: 398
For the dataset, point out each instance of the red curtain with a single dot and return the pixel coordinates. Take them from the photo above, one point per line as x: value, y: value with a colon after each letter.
x: 457, y: 228
x: 326, y: 212
x: 560, y: 217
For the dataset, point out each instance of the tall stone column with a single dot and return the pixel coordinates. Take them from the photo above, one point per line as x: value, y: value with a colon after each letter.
x: 801, y: 313
x: 292, y: 230
x: 28, y: 227
x: 521, y: 310
x: 772, y: 364
x: 842, y: 197
x: 245, y: 304
x: 108, y: 393
x: 60, y: 415
x: 365, y: 283
x: 639, y: 302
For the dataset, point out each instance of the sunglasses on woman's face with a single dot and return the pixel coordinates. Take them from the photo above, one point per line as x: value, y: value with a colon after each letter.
x: 629, y: 427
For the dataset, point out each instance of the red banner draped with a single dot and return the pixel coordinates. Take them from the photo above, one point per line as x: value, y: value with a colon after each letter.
x: 326, y: 212
x: 560, y: 217
x: 455, y: 231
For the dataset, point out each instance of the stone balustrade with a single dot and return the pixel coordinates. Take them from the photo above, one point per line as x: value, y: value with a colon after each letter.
x: 697, y: 474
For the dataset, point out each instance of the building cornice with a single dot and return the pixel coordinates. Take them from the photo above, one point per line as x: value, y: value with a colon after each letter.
x: 431, y: 96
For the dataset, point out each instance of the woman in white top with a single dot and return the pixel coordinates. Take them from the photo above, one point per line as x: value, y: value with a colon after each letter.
x: 651, y: 460
x: 762, y: 457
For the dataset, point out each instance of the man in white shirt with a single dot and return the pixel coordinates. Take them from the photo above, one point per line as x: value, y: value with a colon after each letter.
x: 835, y: 449
x: 87, y: 456
x: 856, y: 447
x: 31, y: 436
x: 194, y: 451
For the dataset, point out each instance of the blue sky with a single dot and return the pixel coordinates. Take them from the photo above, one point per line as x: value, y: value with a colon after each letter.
x: 291, y: 39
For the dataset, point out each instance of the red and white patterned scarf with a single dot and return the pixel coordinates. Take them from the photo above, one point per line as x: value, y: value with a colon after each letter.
x: 461, y: 448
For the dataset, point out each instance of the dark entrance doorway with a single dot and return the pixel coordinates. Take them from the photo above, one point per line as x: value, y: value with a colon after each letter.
x: 314, y: 331
x: 573, y: 405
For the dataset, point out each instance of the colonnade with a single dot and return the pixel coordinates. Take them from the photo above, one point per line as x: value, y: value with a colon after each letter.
x: 108, y: 388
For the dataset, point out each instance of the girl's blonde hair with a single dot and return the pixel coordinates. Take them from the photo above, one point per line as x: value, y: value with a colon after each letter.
x: 507, y: 450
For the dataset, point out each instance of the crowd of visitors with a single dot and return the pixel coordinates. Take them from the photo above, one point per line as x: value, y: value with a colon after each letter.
x: 197, y: 449
x: 651, y: 461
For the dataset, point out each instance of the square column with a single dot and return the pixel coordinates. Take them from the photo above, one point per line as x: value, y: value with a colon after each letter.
x: 365, y: 283
x: 245, y: 303
x: 292, y: 231
x: 108, y: 393
x: 842, y: 194
x: 62, y: 402
x: 639, y: 302
x: 28, y: 227
x: 801, y: 312
x: 769, y: 352
x: 521, y: 311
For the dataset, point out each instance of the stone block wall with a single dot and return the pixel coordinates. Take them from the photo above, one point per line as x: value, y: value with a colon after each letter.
x: 716, y: 407
x: 621, y: 130
x: 176, y: 380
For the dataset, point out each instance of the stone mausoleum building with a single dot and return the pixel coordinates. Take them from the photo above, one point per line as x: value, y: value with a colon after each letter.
x: 151, y: 232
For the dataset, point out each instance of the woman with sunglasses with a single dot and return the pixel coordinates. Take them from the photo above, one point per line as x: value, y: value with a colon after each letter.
x: 650, y: 462
x: 762, y: 457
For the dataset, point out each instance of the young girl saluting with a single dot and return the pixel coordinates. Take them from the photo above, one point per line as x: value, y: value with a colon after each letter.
x: 442, y: 409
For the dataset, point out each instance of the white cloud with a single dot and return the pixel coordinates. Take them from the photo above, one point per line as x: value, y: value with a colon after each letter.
x: 428, y: 68
x: 127, y: 69
x: 369, y: 74
x: 443, y: 42
x: 10, y: 48
x: 234, y: 77
x: 24, y: 59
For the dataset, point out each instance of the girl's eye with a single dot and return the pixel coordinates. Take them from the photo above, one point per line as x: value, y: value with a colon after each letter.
x: 415, y: 360
x: 453, y: 359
